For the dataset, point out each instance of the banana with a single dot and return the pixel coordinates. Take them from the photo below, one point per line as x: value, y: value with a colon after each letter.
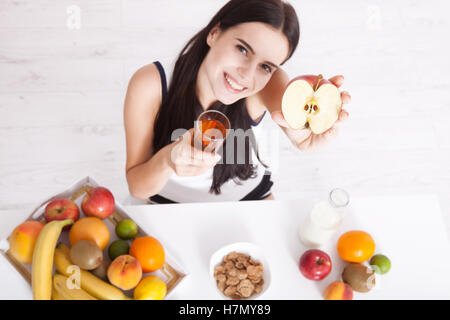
x: 56, y: 295
x: 42, y: 263
x: 89, y: 283
x: 60, y: 286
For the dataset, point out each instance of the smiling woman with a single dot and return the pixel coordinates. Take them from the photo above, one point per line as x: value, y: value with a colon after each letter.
x: 223, y: 67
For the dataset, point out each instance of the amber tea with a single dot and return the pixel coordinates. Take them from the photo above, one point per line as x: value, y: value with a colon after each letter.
x: 211, y: 128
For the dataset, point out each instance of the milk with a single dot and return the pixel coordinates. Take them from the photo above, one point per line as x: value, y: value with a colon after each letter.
x: 324, y: 219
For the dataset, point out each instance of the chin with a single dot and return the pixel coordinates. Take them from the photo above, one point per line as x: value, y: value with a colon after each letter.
x: 227, y: 100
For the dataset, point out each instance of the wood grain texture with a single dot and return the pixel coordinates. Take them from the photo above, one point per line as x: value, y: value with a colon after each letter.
x: 62, y: 93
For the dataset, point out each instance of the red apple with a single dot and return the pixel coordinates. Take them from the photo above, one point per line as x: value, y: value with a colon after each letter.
x: 311, y: 102
x: 61, y: 209
x: 315, y: 264
x: 98, y: 202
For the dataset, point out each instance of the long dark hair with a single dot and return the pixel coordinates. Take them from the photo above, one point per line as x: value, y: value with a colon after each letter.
x: 181, y: 107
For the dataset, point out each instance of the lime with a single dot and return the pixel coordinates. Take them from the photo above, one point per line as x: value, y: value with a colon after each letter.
x: 118, y: 248
x: 380, y: 263
x: 126, y: 229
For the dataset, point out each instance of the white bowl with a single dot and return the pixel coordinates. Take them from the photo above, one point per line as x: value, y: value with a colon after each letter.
x: 255, y: 252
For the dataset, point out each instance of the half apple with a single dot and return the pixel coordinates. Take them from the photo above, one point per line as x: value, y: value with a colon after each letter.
x: 311, y: 102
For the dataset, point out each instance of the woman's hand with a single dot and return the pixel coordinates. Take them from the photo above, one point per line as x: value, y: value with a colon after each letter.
x: 185, y: 160
x: 305, y: 139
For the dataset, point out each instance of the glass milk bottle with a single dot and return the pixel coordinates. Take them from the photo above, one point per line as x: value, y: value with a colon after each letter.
x: 324, y: 219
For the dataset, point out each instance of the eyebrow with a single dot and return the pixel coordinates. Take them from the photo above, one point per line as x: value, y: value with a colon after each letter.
x: 253, y: 51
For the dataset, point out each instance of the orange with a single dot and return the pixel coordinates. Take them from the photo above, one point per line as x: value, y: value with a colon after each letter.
x: 356, y: 246
x: 92, y: 229
x: 150, y: 288
x: 149, y: 252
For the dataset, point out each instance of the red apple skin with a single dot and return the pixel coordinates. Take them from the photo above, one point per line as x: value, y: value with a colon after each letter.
x: 311, y: 79
x: 315, y: 264
x: 61, y: 209
x: 98, y: 202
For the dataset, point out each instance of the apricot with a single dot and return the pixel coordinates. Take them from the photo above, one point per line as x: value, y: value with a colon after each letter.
x: 125, y: 272
x: 92, y: 229
x: 338, y: 290
x: 23, y: 239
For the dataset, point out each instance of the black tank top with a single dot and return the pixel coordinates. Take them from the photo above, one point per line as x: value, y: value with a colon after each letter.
x: 262, y: 190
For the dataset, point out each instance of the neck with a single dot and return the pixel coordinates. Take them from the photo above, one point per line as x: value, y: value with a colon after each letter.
x: 203, y: 89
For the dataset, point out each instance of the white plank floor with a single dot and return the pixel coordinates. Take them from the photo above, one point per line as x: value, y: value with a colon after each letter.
x: 62, y: 90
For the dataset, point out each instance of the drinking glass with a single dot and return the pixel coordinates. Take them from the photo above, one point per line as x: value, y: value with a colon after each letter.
x: 210, y: 131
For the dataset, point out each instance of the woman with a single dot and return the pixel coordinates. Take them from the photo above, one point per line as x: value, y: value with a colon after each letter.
x: 233, y: 66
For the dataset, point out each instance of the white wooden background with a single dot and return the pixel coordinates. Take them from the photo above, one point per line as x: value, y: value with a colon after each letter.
x: 62, y: 90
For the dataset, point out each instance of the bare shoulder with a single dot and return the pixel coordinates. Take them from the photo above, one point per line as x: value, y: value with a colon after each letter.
x: 142, y: 103
x: 146, y: 83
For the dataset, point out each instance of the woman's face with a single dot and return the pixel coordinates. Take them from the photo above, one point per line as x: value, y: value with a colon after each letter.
x: 242, y: 59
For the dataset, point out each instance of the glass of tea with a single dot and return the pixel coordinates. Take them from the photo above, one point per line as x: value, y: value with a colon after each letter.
x: 211, y: 129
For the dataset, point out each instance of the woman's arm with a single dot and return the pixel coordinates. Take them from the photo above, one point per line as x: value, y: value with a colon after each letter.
x: 146, y: 173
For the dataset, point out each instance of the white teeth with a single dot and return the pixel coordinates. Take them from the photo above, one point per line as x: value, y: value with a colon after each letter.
x: 234, y: 85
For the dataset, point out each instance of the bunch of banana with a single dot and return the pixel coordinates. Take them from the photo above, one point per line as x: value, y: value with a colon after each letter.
x: 62, y: 292
x: 42, y: 264
x: 88, y: 282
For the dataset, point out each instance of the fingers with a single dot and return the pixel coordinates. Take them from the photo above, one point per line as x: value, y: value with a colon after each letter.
x: 278, y: 118
x: 190, y: 171
x: 345, y: 97
x: 185, y: 139
x: 193, y: 171
x: 318, y: 141
x: 206, y: 159
x: 187, y: 136
x: 305, y: 145
x: 188, y: 166
x: 343, y: 115
x: 185, y: 154
x: 330, y: 133
x: 337, y: 80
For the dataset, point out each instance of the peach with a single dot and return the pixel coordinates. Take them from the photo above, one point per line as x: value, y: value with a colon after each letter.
x: 23, y: 239
x: 125, y: 272
x: 338, y: 290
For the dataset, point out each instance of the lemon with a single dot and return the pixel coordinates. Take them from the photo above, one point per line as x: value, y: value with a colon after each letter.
x: 150, y: 288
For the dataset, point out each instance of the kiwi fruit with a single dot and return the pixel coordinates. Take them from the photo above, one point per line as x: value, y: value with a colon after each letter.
x: 359, y: 277
x: 101, y: 270
x: 86, y: 254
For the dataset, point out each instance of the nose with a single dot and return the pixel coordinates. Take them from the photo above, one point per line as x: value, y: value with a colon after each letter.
x: 246, y: 74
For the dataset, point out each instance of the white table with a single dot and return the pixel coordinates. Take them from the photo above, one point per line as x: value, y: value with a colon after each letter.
x: 409, y: 230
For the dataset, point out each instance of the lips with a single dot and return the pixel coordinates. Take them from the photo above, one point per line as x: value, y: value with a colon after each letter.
x: 234, y: 86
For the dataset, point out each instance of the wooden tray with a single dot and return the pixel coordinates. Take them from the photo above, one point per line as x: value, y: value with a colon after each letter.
x: 171, y: 272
